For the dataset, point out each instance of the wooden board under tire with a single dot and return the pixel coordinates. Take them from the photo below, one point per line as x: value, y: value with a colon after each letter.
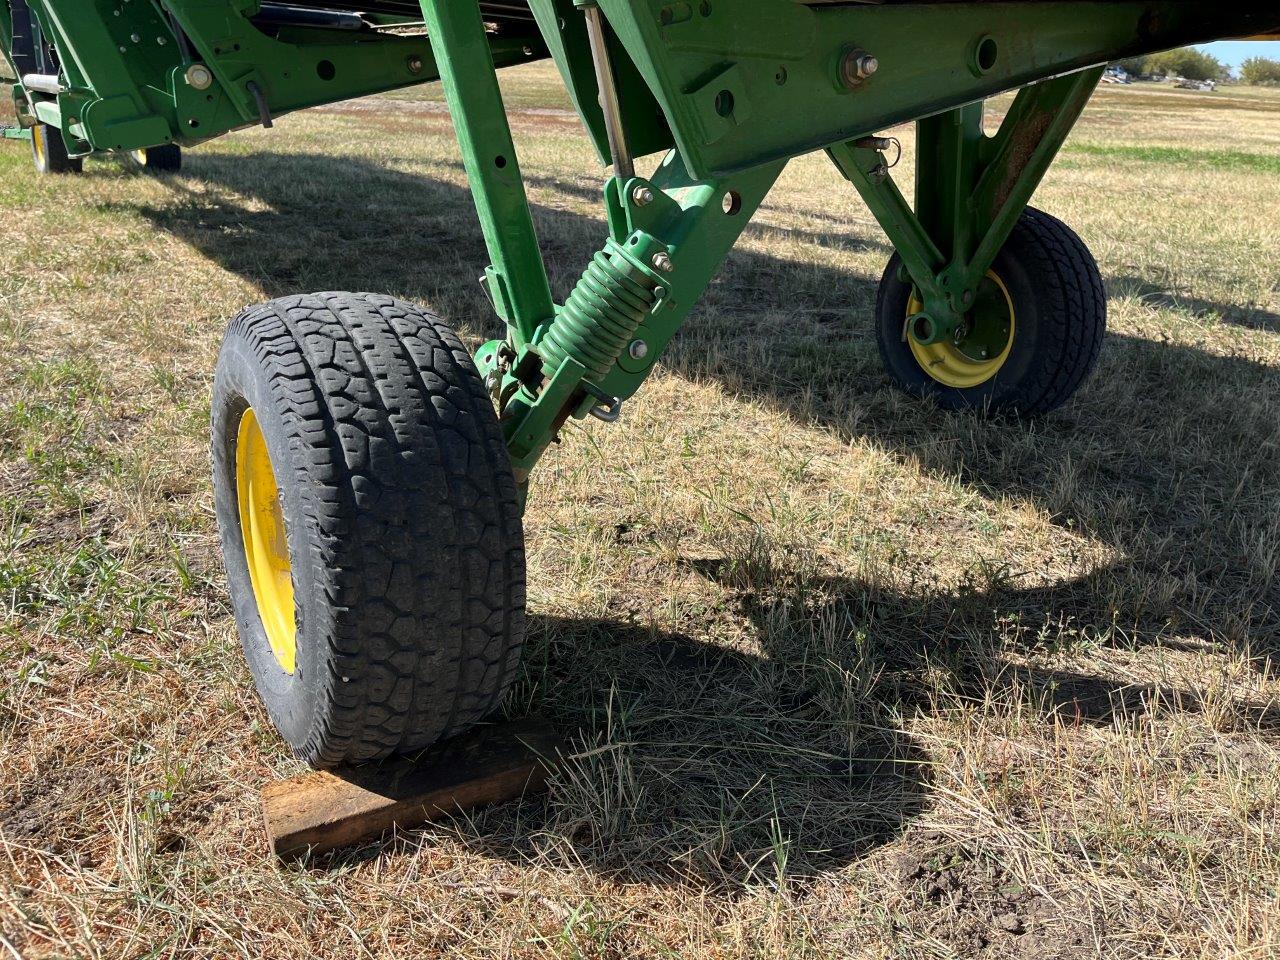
x: 322, y: 811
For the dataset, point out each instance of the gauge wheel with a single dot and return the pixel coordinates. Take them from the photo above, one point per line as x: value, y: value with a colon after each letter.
x: 1030, y: 341
x: 166, y: 158
x: 49, y: 151
x: 370, y: 524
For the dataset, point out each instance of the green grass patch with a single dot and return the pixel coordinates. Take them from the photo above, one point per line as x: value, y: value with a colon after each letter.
x: 1182, y: 156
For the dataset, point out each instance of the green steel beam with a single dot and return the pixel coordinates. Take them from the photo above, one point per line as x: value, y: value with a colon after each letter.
x: 743, y: 84
x: 517, y: 280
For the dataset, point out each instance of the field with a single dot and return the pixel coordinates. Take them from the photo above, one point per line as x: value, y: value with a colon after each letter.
x: 845, y: 676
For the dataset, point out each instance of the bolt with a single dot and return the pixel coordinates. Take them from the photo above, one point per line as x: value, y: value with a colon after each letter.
x: 659, y: 292
x: 642, y: 196
x: 135, y: 38
x: 857, y: 67
x: 199, y: 77
x: 414, y: 63
x: 160, y: 40
x: 983, y: 353
x: 638, y: 350
x: 662, y: 261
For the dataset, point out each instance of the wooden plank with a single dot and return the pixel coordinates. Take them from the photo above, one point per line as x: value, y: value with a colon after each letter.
x: 322, y: 811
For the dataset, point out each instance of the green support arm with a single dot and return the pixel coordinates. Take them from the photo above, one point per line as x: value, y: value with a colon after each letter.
x: 971, y: 190
x: 517, y: 280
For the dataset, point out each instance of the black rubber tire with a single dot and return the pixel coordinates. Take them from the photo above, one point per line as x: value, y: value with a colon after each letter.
x: 401, y: 517
x: 49, y: 151
x: 1061, y: 310
x: 166, y: 158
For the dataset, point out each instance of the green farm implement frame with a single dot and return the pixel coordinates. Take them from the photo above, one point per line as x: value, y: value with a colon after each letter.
x: 987, y: 305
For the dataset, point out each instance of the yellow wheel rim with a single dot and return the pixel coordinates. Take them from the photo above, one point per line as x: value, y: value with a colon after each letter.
x: 37, y: 143
x: 266, y: 547
x: 984, y: 348
x: 139, y: 155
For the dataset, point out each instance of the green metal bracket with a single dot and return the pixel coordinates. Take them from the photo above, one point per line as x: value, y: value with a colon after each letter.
x: 124, y: 66
x: 668, y: 236
x: 970, y: 191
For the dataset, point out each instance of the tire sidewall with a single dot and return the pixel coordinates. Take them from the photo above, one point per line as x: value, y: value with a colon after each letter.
x: 1025, y: 362
x: 40, y: 148
x: 242, y: 382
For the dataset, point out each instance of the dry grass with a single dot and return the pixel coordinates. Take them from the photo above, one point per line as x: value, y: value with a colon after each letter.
x: 851, y: 677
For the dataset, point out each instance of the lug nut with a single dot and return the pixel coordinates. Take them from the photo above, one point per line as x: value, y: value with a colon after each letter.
x: 638, y: 350
x: 662, y: 262
x: 642, y: 196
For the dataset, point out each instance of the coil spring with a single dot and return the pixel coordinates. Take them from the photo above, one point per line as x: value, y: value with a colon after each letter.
x: 600, y: 315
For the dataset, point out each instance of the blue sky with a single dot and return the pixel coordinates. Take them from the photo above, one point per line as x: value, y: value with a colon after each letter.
x: 1235, y: 52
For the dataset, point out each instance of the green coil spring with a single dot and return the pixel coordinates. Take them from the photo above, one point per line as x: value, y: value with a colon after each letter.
x: 601, y: 314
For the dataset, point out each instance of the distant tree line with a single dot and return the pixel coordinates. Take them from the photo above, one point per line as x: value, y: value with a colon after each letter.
x: 1261, y: 72
x: 1192, y: 64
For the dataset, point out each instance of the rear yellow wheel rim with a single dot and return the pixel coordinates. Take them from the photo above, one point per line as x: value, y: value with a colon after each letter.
x: 978, y: 356
x: 37, y: 143
x: 266, y: 548
x: 139, y: 155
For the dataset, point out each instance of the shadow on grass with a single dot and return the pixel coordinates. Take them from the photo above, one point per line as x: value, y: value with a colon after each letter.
x: 1169, y: 459
x: 1250, y: 317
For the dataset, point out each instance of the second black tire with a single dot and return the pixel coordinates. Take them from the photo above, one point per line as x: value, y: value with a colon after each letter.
x: 395, y: 498
x: 166, y: 158
x: 49, y: 151
x: 1057, y: 318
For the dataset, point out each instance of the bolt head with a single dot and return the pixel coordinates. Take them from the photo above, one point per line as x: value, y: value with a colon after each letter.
x: 199, y: 77
x: 638, y: 350
x: 868, y: 66
x: 662, y: 261
x: 414, y: 63
x: 642, y: 196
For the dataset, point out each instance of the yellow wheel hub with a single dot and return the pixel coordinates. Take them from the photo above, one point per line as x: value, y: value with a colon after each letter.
x: 266, y: 548
x: 984, y: 347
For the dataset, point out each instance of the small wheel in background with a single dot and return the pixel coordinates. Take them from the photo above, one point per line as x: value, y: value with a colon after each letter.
x: 166, y: 158
x: 370, y: 524
x: 1030, y: 341
x: 49, y: 151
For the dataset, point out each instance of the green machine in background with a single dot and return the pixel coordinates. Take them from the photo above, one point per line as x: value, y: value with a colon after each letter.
x: 370, y: 474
